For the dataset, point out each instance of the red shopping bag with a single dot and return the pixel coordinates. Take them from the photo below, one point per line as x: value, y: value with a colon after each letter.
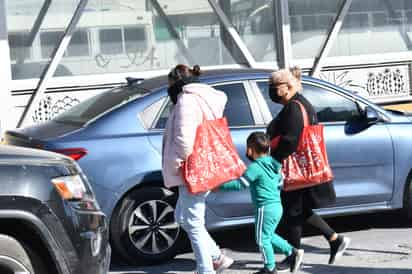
x: 214, y: 159
x: 309, y: 165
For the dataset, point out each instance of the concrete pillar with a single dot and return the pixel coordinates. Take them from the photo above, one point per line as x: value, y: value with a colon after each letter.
x: 5, y: 74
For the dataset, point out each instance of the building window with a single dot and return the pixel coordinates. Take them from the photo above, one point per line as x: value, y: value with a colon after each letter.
x: 79, y: 44
x: 17, y: 42
x: 135, y: 39
x: 111, y: 41
x: 374, y: 27
x: 48, y: 42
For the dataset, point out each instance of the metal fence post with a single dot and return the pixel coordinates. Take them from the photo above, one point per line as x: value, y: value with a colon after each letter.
x: 52, y: 66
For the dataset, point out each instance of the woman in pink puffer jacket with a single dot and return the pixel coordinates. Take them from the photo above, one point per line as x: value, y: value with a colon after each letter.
x: 192, y: 102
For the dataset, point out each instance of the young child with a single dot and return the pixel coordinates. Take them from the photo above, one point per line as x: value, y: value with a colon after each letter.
x: 263, y: 177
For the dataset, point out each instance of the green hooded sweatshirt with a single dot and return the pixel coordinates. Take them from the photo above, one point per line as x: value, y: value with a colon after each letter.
x: 263, y: 177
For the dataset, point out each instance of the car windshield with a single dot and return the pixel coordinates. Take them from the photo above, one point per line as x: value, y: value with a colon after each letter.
x: 97, y: 105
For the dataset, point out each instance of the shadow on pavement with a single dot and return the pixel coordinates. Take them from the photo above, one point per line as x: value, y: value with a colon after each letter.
x: 242, y: 239
x: 333, y: 269
x: 175, y: 266
x: 320, y: 250
x: 247, y: 265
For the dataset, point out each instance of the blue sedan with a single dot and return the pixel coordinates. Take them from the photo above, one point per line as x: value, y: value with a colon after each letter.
x: 116, y: 137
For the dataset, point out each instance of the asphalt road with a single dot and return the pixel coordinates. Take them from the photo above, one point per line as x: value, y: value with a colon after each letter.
x: 381, y: 244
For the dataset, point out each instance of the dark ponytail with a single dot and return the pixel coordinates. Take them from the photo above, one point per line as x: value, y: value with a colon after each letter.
x: 182, y: 72
x: 195, y: 71
x: 182, y: 75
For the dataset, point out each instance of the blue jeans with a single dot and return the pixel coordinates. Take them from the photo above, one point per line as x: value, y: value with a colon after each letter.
x: 190, y: 214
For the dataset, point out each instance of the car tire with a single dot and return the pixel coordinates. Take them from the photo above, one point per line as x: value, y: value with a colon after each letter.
x: 407, y: 200
x: 17, y: 257
x: 143, y: 228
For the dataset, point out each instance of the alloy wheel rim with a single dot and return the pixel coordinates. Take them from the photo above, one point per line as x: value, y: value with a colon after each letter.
x: 13, y: 265
x: 152, y: 227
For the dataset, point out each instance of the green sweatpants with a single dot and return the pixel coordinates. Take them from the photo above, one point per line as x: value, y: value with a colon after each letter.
x: 266, y: 220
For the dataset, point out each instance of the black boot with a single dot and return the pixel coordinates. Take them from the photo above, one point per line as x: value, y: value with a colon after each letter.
x: 295, y: 259
x: 337, y: 247
x: 283, y: 266
x: 266, y: 271
x: 292, y: 262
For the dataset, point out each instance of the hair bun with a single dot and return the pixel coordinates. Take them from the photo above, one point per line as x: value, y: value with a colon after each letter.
x: 196, y: 70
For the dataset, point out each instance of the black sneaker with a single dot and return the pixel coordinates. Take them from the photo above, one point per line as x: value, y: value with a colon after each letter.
x: 266, y: 271
x: 283, y: 266
x: 337, y: 247
x: 295, y: 260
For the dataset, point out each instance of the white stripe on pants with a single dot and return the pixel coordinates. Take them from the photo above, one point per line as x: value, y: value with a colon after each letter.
x: 259, y: 227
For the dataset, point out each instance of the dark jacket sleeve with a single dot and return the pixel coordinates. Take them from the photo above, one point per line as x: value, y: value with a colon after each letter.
x: 291, y: 125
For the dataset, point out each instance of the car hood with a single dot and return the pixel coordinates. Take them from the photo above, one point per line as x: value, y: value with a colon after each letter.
x: 22, y: 155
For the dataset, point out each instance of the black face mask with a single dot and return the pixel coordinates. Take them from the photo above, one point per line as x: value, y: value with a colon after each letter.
x: 273, y: 94
x: 174, y: 90
x: 250, y: 158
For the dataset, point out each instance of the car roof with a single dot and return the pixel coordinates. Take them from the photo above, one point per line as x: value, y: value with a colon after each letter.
x: 159, y: 81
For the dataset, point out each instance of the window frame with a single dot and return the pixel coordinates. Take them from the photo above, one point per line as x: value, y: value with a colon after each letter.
x: 265, y: 110
x: 360, y: 104
x: 165, y: 103
x: 251, y: 99
x: 268, y: 115
x: 150, y: 118
x: 250, y: 93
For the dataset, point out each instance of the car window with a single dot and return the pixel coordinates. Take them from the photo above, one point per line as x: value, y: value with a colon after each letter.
x: 330, y: 106
x: 161, y: 122
x: 149, y: 114
x: 237, y: 110
x: 99, y: 104
x: 273, y: 107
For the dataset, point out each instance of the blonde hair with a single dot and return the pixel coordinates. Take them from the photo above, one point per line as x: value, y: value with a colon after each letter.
x: 297, y: 73
x: 284, y: 76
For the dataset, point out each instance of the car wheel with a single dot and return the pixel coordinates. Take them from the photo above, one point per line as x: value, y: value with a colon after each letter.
x: 16, y: 257
x: 407, y: 200
x: 143, y: 227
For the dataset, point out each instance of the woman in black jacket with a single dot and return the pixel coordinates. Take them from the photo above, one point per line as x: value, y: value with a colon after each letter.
x: 299, y: 204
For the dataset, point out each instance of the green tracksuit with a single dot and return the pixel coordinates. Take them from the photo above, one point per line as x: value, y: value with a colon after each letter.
x: 263, y: 177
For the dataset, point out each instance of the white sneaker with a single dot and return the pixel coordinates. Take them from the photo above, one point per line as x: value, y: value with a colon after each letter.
x: 223, y: 263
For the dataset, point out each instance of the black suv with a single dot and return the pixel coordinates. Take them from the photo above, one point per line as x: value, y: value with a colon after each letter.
x: 50, y: 221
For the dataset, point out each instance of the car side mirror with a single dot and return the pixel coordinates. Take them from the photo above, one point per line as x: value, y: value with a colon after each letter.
x: 371, y: 116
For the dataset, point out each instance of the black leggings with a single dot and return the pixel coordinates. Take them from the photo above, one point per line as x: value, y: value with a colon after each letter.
x: 292, y: 226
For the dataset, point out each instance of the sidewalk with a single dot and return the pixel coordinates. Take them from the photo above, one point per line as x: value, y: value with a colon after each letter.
x: 381, y: 244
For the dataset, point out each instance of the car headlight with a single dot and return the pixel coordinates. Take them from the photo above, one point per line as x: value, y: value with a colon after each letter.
x: 70, y: 188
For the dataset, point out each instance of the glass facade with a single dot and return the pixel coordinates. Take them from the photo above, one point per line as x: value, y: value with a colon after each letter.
x: 310, y: 21
x: 375, y: 27
x: 254, y: 21
x: 117, y: 36
x: 30, y: 53
x: 142, y: 36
